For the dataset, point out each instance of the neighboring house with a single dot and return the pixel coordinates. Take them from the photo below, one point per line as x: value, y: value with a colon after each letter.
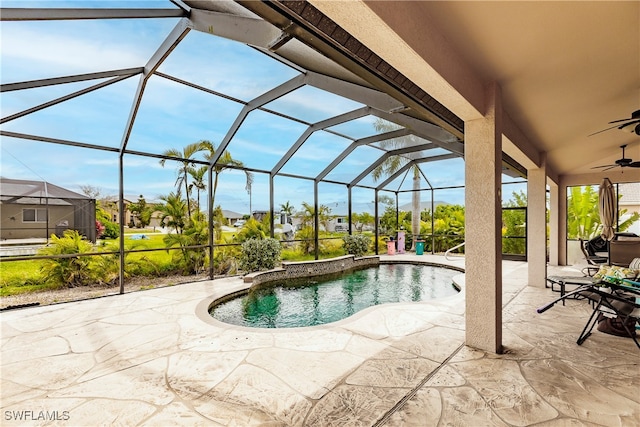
x: 231, y: 217
x: 260, y: 215
x: 37, y: 209
x: 338, y: 223
x: 110, y: 206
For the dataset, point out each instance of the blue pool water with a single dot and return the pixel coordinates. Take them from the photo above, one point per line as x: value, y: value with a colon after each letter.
x: 314, y: 301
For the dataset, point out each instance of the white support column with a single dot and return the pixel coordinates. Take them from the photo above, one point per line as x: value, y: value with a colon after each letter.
x: 537, y: 224
x: 554, y: 223
x: 483, y: 250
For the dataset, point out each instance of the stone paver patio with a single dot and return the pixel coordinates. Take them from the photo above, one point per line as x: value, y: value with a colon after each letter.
x: 149, y: 359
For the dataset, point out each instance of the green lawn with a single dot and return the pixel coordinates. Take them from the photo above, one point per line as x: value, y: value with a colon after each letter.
x: 24, y: 276
x: 20, y: 276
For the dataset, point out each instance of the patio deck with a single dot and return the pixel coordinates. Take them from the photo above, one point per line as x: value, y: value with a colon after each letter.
x: 146, y: 358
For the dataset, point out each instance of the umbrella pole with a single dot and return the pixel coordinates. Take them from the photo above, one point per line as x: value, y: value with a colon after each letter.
x: 617, y: 208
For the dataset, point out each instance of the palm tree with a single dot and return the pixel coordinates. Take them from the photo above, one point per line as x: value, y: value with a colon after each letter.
x: 198, y: 181
x: 173, y: 212
x: 393, y: 164
x: 583, y: 218
x: 307, y: 234
x: 248, y: 186
x: 287, y: 208
x: 186, y: 156
x: 309, y: 212
x: 224, y: 162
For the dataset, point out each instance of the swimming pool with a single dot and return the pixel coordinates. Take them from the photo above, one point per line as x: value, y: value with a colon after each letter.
x: 316, y: 301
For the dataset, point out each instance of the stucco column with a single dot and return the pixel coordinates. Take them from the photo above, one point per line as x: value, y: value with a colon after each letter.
x: 537, y: 224
x: 483, y: 218
x: 554, y: 224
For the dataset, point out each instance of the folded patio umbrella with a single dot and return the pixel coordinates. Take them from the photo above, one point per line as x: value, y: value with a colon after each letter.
x: 607, y: 208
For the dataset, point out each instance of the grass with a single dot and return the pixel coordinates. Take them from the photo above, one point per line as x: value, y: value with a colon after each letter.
x: 20, y: 277
x: 24, y: 276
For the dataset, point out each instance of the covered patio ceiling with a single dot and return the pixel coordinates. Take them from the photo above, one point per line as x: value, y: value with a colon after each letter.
x: 369, y: 123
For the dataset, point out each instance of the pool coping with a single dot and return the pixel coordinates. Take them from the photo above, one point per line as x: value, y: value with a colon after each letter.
x: 202, y: 308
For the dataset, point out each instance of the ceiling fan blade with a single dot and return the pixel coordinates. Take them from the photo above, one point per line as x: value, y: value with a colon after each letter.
x: 603, y: 130
x: 611, y: 167
x: 621, y: 120
x: 628, y: 124
x: 634, y: 164
x: 634, y: 116
x: 604, y: 166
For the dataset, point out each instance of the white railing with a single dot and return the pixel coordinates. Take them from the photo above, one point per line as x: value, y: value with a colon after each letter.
x: 446, y: 254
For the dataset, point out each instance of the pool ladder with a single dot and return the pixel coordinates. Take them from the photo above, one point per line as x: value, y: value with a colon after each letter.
x: 446, y: 254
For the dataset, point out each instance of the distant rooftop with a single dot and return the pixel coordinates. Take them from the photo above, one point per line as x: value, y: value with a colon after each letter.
x: 33, y: 192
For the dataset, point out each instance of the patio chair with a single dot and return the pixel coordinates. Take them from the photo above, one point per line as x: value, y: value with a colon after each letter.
x: 562, y: 281
x: 594, y: 261
x: 618, y: 300
x: 592, y: 279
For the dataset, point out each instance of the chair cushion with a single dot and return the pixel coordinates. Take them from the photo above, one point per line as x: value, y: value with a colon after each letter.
x: 608, y: 273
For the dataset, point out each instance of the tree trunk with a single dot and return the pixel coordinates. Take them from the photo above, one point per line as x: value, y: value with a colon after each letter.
x: 415, y: 210
x: 186, y: 188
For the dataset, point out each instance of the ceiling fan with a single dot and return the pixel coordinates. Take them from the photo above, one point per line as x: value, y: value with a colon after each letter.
x: 622, y: 162
x: 632, y: 123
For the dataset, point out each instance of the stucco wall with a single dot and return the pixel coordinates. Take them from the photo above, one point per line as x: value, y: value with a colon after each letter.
x: 291, y: 270
x: 16, y: 228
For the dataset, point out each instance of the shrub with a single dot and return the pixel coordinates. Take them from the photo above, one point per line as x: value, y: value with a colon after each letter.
x: 259, y: 254
x: 253, y: 229
x: 111, y: 230
x: 99, y: 229
x: 190, y: 260
x: 225, y: 260
x: 72, y: 271
x: 357, y: 244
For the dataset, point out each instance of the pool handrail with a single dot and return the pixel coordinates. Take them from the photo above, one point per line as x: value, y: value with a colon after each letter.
x: 446, y: 254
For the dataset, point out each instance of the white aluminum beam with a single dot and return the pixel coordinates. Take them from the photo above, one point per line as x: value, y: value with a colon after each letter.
x: 332, y: 121
x: 393, y: 176
x: 17, y: 135
x: 364, y: 141
x: 251, y: 31
x: 437, y: 158
x: 392, y: 153
x: 31, y: 84
x: 363, y: 95
x: 178, y: 33
x: 62, y: 14
x: 62, y: 99
x: 257, y: 102
x: 424, y: 130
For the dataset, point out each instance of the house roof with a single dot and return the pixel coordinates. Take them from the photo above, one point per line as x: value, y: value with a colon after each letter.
x: 231, y: 214
x: 35, y: 192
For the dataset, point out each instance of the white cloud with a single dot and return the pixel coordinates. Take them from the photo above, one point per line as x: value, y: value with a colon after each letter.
x: 64, y: 54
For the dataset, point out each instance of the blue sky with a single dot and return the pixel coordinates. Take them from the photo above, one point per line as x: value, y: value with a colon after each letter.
x: 172, y: 115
